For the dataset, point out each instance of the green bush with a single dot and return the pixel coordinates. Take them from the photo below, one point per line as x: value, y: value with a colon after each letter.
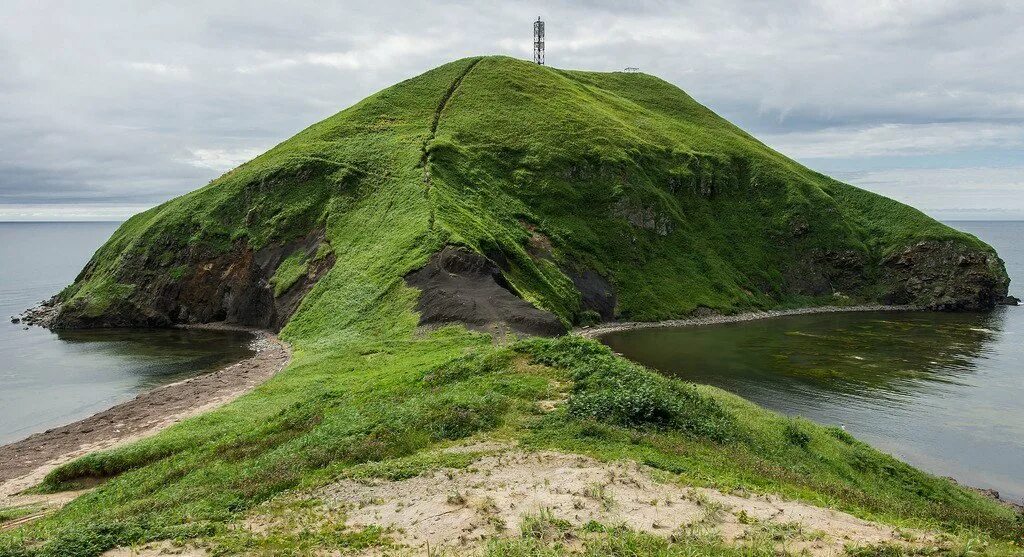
x: 842, y: 435
x: 796, y: 435
x: 613, y: 390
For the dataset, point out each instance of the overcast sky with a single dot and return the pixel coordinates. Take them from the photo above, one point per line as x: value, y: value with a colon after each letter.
x: 107, y: 108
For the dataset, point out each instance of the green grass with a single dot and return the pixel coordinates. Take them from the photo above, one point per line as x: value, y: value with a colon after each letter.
x: 427, y: 163
x: 372, y: 413
x: 289, y: 271
x: 545, y: 536
x: 623, y: 173
x: 8, y: 514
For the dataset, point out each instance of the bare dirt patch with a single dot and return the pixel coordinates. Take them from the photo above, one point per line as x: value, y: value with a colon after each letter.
x: 458, y: 508
x: 461, y: 286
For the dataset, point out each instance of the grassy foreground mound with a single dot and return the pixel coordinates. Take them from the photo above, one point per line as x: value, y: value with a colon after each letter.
x: 590, y: 196
x: 376, y: 408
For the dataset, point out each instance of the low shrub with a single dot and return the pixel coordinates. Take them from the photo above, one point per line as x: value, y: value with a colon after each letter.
x: 796, y: 435
x: 841, y: 435
x: 613, y: 390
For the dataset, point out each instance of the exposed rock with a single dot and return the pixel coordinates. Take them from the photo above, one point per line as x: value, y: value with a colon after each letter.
x: 232, y: 286
x: 821, y: 272
x: 991, y: 494
x: 644, y: 216
x: 539, y: 245
x: 462, y: 286
x: 596, y: 293
x: 948, y: 276
x: 703, y: 312
x: 1010, y: 301
x: 41, y: 315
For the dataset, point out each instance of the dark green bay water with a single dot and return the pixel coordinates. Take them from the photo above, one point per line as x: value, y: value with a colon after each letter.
x: 49, y: 379
x: 944, y: 392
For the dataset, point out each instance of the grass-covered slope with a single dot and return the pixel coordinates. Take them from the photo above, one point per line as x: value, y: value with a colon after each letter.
x: 613, y: 194
x: 619, y: 181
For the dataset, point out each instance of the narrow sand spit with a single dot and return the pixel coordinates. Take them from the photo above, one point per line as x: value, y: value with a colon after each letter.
x: 605, y: 328
x: 459, y: 508
x: 24, y: 463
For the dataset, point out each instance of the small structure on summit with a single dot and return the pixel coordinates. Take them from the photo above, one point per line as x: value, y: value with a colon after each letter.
x: 538, y: 41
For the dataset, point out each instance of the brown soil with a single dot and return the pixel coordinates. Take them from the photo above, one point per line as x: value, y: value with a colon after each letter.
x: 24, y: 463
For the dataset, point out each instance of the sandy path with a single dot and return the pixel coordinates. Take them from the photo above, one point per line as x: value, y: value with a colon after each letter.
x: 459, y: 509
x: 24, y: 463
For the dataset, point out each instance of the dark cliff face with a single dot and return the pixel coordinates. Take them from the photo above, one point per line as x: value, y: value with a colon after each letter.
x: 200, y: 286
x: 944, y: 276
x: 461, y: 286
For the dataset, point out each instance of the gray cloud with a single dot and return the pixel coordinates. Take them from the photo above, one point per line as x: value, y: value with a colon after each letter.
x: 110, y: 104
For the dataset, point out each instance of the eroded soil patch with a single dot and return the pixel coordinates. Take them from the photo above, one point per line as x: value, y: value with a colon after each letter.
x: 459, y: 508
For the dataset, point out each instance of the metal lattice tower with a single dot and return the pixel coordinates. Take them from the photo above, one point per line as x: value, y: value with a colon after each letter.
x: 538, y: 41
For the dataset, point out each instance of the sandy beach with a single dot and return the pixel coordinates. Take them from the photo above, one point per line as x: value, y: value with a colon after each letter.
x: 24, y: 463
x: 715, y: 319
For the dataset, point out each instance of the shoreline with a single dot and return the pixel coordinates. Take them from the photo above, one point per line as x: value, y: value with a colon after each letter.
x: 602, y: 329
x: 597, y: 331
x: 25, y: 463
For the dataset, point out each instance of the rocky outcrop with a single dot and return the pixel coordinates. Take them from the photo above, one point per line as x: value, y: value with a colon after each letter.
x: 644, y: 215
x: 461, y: 286
x: 949, y: 276
x: 820, y: 273
x: 596, y: 293
x: 202, y: 286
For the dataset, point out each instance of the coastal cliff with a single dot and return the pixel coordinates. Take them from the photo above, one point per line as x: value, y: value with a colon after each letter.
x: 590, y: 196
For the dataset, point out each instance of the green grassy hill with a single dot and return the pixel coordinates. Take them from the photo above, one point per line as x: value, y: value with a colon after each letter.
x: 590, y: 196
x: 619, y: 185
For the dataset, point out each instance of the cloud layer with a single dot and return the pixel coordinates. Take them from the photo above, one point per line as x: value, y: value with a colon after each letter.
x: 107, y: 105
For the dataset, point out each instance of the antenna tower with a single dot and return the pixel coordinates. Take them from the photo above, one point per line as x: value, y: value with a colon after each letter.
x: 538, y: 41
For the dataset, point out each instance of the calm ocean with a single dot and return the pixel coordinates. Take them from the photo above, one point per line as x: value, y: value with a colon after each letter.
x: 49, y: 379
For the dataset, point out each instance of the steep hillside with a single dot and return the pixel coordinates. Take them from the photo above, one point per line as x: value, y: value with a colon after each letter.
x: 514, y: 199
x: 591, y: 196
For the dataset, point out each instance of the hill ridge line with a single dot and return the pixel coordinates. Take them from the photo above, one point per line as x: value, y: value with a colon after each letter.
x: 425, y: 157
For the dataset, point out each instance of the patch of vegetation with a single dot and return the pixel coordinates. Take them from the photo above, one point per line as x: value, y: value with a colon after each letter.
x: 289, y: 272
x: 842, y: 435
x: 178, y: 271
x: 298, y: 529
x: 545, y: 536
x: 796, y: 434
x: 8, y: 514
